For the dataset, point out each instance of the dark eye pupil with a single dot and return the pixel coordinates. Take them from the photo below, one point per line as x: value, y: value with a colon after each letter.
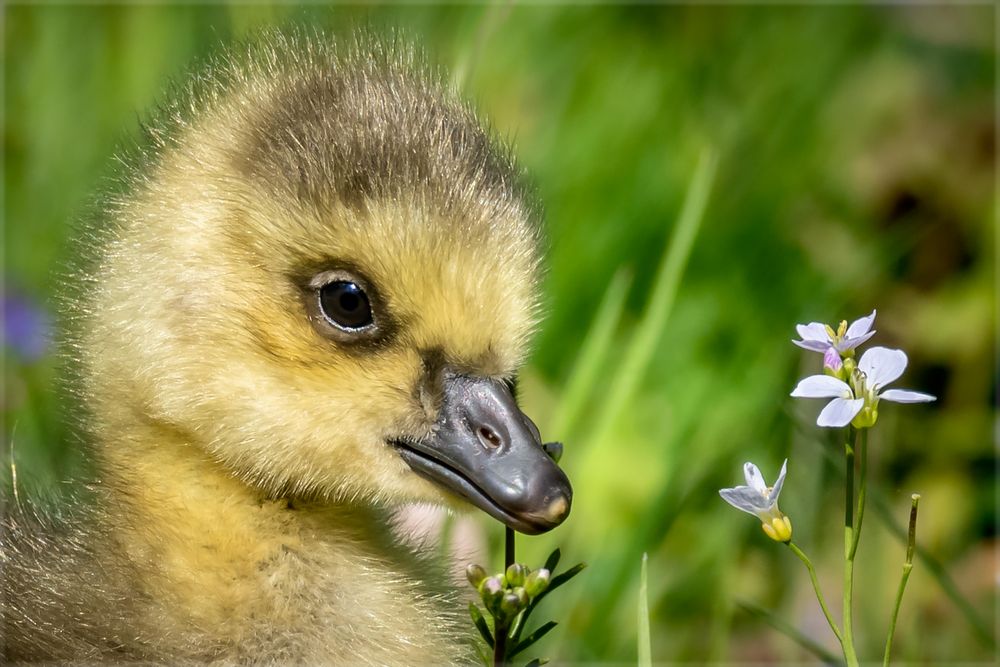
x: 345, y: 304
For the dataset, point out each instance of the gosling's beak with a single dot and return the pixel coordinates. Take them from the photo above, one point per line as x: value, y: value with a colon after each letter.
x: 485, y: 449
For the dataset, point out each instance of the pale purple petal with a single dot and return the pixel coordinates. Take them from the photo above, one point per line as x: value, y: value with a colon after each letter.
x: 746, y: 499
x: 839, y: 412
x: 754, y: 479
x: 831, y: 360
x: 776, y: 491
x: 882, y: 365
x: 813, y: 331
x: 851, y: 343
x: 813, y: 345
x: 822, y: 386
x: 906, y: 396
x: 861, y: 326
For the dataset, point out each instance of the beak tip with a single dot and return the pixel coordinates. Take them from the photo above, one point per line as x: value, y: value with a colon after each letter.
x: 557, y: 510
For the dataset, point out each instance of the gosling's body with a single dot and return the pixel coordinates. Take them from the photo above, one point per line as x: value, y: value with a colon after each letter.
x: 244, y: 453
x: 234, y: 579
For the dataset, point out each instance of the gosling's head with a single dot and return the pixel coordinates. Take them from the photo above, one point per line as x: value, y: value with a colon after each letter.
x: 326, y: 277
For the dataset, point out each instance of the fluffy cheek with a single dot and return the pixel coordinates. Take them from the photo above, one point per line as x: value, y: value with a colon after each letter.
x: 319, y: 429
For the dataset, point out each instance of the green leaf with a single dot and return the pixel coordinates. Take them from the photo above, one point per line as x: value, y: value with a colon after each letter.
x: 553, y: 560
x: 561, y: 579
x: 645, y: 648
x: 533, y: 637
x: 557, y: 582
x: 477, y: 618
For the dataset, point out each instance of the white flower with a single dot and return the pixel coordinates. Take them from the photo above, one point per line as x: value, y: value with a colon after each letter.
x: 820, y: 337
x: 759, y: 499
x: 858, y: 401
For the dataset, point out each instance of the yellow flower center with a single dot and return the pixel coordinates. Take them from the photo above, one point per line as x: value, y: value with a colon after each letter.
x: 778, y: 529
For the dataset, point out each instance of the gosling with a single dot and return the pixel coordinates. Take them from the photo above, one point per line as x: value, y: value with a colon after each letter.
x: 309, y: 307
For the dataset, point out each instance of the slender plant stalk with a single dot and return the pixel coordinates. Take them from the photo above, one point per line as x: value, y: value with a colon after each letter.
x: 508, y: 547
x: 819, y: 593
x: 500, y: 630
x: 979, y: 627
x: 499, y: 643
x: 911, y: 545
x: 850, y: 655
x: 862, y: 453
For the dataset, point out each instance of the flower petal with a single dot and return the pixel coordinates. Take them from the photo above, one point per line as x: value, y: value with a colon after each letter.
x: 861, y: 326
x: 813, y: 331
x: 851, y: 343
x: 882, y: 365
x: 813, y: 345
x: 839, y: 412
x: 754, y: 479
x: 745, y: 499
x: 906, y: 396
x: 776, y: 490
x: 822, y: 386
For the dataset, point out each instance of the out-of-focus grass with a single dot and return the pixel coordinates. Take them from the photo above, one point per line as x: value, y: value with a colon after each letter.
x: 855, y: 150
x: 644, y: 646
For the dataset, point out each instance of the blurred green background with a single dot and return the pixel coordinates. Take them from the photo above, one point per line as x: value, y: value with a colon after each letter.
x: 855, y: 151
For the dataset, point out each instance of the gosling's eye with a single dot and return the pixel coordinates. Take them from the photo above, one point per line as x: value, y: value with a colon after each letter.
x: 345, y: 305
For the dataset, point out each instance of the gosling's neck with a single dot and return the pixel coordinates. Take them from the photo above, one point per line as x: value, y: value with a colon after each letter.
x: 229, y: 573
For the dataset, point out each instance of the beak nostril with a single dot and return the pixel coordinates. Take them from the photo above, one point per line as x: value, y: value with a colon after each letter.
x: 488, y: 437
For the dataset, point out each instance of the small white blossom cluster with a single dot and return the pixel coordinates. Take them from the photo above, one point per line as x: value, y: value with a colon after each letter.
x: 855, y: 387
x: 507, y: 594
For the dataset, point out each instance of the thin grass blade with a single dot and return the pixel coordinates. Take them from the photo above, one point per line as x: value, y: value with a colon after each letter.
x: 645, y: 647
x: 596, y: 346
x: 661, y: 300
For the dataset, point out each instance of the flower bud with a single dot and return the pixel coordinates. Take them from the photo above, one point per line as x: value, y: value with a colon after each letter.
x: 475, y: 574
x: 510, y: 605
x: 491, y: 593
x: 832, y: 364
x: 537, y: 582
x: 522, y: 597
x: 779, y: 529
x: 515, y: 575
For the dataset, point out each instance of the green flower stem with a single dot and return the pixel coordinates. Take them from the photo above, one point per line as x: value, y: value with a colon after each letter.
x: 508, y: 548
x: 850, y: 655
x: 862, y: 441
x: 911, y: 545
x: 819, y: 593
x: 500, y: 630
